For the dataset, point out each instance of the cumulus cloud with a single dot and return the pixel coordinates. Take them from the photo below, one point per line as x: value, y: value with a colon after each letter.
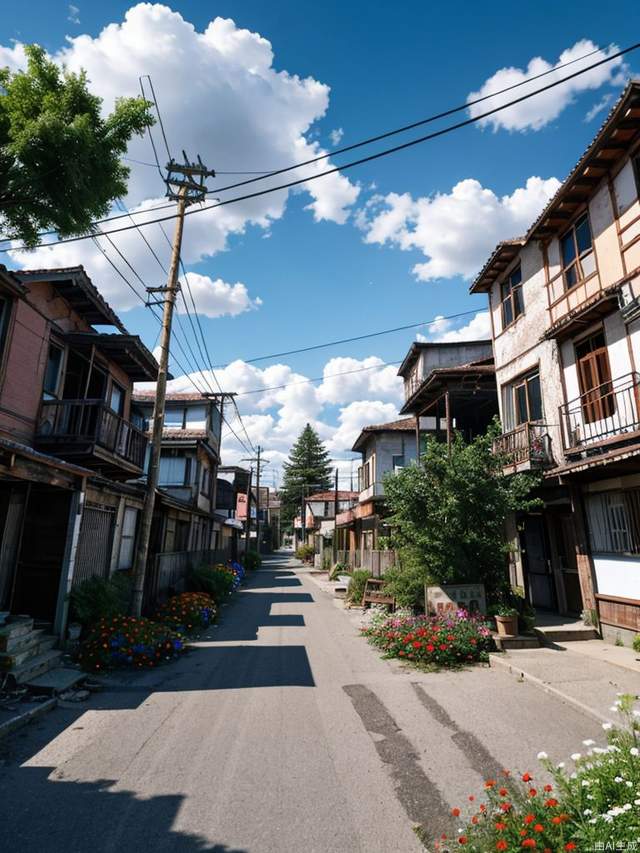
x: 598, y: 107
x: 541, y: 109
x: 477, y: 329
x: 73, y: 14
x: 455, y: 231
x: 336, y: 136
x: 348, y: 379
x: 355, y: 416
x: 221, y: 97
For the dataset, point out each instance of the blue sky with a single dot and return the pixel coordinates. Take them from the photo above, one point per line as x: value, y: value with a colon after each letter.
x: 374, y: 252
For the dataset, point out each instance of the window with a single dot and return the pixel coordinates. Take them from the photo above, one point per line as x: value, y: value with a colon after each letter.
x: 511, y: 297
x: 174, y: 471
x: 594, y: 376
x: 636, y: 172
x: 116, y: 400
x: 52, y: 372
x: 196, y: 417
x: 614, y: 522
x: 174, y: 418
x: 397, y: 462
x: 5, y: 313
x: 576, y: 247
x: 128, y: 537
x: 523, y: 401
x: 205, y: 481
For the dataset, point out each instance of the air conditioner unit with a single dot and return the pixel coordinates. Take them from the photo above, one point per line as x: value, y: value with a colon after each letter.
x: 629, y: 304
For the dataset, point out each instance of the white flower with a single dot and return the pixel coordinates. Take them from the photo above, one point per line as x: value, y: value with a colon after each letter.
x: 636, y: 802
x: 587, y: 812
x: 574, y: 776
x: 627, y: 807
x: 585, y: 783
x: 607, y: 726
x: 618, y: 779
x: 576, y: 756
x: 590, y: 796
x: 636, y: 713
x: 589, y: 742
x: 629, y: 784
x: 599, y: 750
x: 634, y: 751
x: 543, y: 755
x: 593, y: 820
x: 560, y: 765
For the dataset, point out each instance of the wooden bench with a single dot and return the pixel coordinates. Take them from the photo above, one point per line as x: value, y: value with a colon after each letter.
x: 373, y: 594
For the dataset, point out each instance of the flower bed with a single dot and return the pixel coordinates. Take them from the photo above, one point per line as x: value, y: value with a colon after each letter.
x: 594, y: 805
x: 449, y: 640
x: 187, y: 612
x: 124, y: 641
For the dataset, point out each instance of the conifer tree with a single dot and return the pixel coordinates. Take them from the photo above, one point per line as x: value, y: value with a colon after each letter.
x: 308, y: 468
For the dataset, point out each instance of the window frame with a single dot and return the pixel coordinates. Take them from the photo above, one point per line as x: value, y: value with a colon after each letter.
x: 577, y: 261
x: 635, y: 165
x: 128, y: 538
x: 596, y: 404
x: 49, y: 396
x: 524, y: 382
x: 509, y: 299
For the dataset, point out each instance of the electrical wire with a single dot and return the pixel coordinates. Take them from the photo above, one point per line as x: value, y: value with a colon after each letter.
x: 383, y: 153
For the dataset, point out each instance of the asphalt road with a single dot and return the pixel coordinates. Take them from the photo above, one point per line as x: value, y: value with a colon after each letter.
x: 283, y: 732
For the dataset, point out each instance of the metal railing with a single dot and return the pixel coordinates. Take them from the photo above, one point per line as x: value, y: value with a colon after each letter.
x: 78, y: 421
x: 527, y: 443
x: 601, y: 414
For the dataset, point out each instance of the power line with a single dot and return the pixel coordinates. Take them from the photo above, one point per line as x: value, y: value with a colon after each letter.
x: 355, y: 338
x: 319, y: 378
x: 362, y: 160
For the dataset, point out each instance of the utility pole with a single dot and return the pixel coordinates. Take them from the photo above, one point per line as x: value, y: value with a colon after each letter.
x: 248, y: 530
x: 259, y: 461
x: 335, y: 521
x: 185, y: 184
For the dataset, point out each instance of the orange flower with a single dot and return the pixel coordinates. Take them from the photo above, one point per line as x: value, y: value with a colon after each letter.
x: 505, y: 807
x: 529, y: 842
x: 570, y: 846
x: 502, y: 845
x: 503, y: 792
x: 550, y: 803
x: 527, y: 777
x: 455, y: 812
x: 532, y: 792
x: 474, y: 819
x: 489, y: 783
x: 548, y: 788
x: 483, y: 808
x: 556, y: 820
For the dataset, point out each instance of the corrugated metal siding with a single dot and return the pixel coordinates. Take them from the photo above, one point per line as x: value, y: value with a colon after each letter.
x: 94, y: 544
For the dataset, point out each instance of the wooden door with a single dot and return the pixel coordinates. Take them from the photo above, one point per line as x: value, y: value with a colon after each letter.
x: 594, y: 376
x: 541, y: 587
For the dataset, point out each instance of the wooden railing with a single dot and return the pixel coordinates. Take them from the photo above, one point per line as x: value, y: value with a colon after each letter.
x: 604, y: 414
x: 527, y: 443
x: 68, y: 422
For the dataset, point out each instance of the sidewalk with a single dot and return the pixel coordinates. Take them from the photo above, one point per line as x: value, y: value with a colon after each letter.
x: 582, y: 674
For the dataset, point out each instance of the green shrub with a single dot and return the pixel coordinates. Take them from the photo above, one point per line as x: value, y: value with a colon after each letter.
x: 216, y: 581
x: 252, y: 560
x: 356, y: 587
x: 100, y: 598
x: 636, y: 643
x: 405, y: 581
x: 339, y: 569
x: 305, y: 553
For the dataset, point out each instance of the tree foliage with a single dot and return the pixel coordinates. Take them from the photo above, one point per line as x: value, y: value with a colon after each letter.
x: 60, y: 164
x: 448, y: 516
x: 308, y: 468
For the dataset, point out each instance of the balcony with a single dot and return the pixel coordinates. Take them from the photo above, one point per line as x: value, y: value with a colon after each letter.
x: 91, y: 433
x: 525, y: 447
x: 604, y: 416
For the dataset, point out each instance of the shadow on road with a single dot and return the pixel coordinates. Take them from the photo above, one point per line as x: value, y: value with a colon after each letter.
x: 58, y: 816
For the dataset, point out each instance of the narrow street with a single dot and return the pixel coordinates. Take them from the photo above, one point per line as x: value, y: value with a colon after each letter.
x: 283, y: 732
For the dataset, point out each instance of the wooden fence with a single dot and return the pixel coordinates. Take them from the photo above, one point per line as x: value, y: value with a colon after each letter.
x: 168, y: 572
x: 376, y: 562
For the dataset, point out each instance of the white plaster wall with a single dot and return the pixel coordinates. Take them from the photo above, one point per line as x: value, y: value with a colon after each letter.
x: 624, y: 188
x: 617, y: 575
x: 605, y: 236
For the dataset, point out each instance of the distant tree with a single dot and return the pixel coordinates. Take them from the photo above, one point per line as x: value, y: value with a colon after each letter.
x: 60, y: 165
x: 308, y: 466
x: 448, y: 516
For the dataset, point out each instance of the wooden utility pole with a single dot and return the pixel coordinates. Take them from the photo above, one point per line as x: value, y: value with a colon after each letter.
x: 258, y: 452
x: 248, y: 530
x: 185, y: 184
x: 335, y: 521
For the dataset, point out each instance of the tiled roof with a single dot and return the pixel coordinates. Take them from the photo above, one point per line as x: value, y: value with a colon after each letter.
x: 329, y: 496
x: 401, y: 425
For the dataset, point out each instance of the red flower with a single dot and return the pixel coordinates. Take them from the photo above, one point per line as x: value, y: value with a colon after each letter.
x: 489, y: 783
x: 533, y: 792
x: 529, y: 818
x: 529, y: 842
x: 527, y: 777
x: 503, y: 792
x: 538, y: 827
x: 455, y: 812
x: 443, y: 647
x: 417, y: 644
x: 505, y: 807
x: 471, y: 798
x: 500, y: 826
x: 462, y: 839
x: 502, y: 845
x: 548, y: 788
x: 570, y: 846
x: 556, y: 820
x: 430, y: 647
x: 550, y: 803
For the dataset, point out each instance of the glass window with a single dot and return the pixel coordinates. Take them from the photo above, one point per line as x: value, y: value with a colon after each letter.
x: 116, y: 401
x: 511, y: 294
x: 128, y: 537
x: 174, y: 417
x: 578, y: 260
x: 397, y: 461
x: 52, y: 372
x: 173, y: 470
x: 196, y: 417
x: 527, y: 400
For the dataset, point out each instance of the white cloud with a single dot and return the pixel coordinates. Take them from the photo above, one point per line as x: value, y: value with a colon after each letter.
x: 455, y: 231
x: 355, y: 416
x: 538, y: 111
x: 477, y: 329
x: 348, y: 379
x: 336, y: 136
x: 221, y: 97
x: 598, y: 107
x: 74, y: 14
x: 217, y: 298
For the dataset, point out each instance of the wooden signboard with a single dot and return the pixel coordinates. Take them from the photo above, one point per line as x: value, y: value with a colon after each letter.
x: 467, y: 596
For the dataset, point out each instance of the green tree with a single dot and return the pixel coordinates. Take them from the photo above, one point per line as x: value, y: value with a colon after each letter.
x: 308, y: 467
x: 448, y: 516
x: 60, y: 164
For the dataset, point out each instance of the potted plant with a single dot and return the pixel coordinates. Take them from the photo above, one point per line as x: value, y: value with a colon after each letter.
x: 506, y: 621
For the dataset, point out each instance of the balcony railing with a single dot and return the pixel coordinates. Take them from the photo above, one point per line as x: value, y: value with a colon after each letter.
x: 604, y: 415
x: 72, y: 423
x: 528, y: 443
x: 411, y: 385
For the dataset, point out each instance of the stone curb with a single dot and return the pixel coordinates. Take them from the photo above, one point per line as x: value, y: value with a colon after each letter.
x: 28, y: 716
x: 496, y: 660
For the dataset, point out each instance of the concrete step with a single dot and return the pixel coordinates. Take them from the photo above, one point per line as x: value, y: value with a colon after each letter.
x: 33, y: 644
x: 21, y: 641
x: 57, y: 680
x: 36, y: 666
x: 565, y: 634
x: 503, y: 644
x: 18, y: 626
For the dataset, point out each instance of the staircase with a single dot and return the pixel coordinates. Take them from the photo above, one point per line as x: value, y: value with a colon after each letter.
x: 26, y: 652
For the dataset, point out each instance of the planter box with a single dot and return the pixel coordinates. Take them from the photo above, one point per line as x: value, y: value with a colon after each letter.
x: 507, y: 625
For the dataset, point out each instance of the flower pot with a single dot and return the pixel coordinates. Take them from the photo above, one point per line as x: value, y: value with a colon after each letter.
x: 507, y: 625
